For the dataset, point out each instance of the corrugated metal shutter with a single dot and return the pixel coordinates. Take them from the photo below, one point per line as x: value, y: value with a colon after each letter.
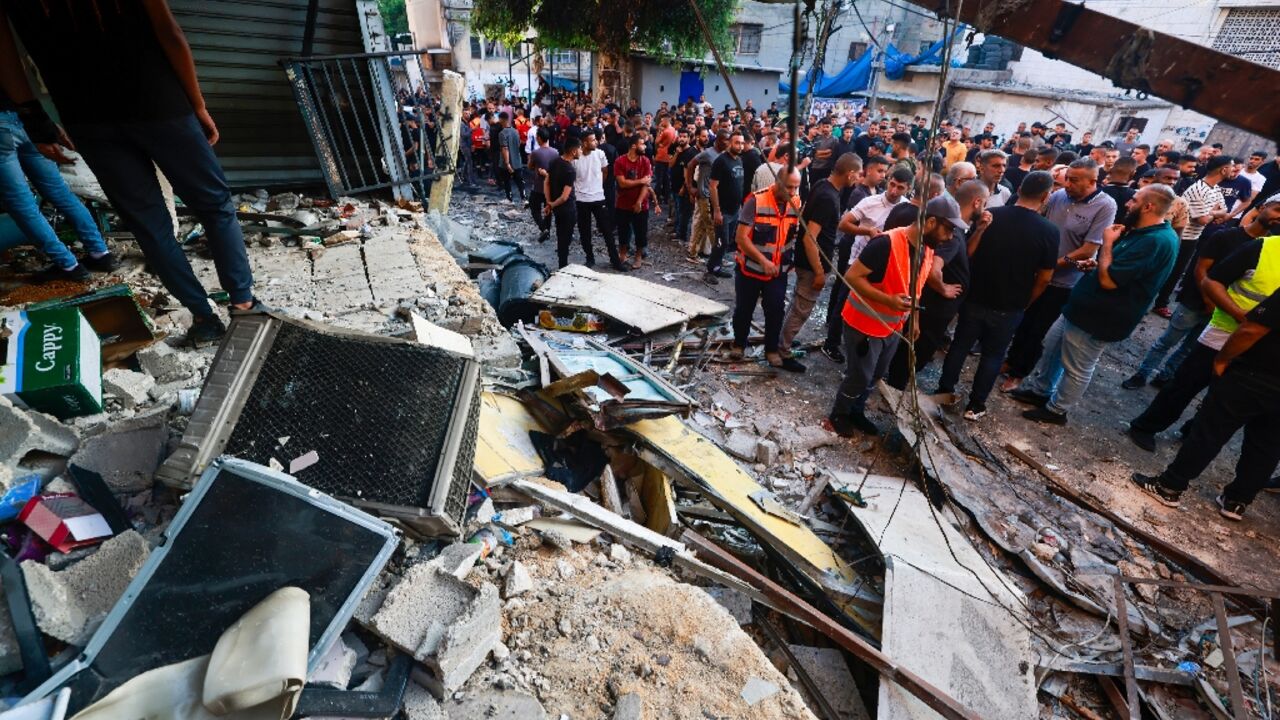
x: 237, y: 46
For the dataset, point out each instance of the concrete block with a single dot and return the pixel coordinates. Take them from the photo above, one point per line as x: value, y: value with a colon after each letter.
x: 619, y: 554
x: 129, y: 387
x: 518, y: 581
x: 335, y: 668
x: 70, y: 604
x: 767, y: 452
x: 23, y: 432
x: 742, y: 445
x: 419, y: 704
x: 165, y: 364
x: 629, y: 707
x: 441, y: 621
x: 457, y: 559
x: 128, y: 453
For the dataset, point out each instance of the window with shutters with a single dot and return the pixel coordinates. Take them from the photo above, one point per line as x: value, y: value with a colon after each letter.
x: 746, y: 38
x: 1252, y: 34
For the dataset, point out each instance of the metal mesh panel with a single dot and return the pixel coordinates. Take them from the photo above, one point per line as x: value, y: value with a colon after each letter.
x: 377, y: 413
x: 1253, y: 34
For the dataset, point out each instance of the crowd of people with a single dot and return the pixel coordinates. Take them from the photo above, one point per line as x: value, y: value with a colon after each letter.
x: 1033, y: 251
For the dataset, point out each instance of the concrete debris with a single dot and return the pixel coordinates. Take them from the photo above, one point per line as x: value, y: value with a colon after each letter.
x: 70, y: 604
x: 336, y: 667
x: 767, y: 452
x: 165, y: 364
x: 499, y: 705
x: 757, y: 690
x: 738, y: 605
x: 557, y: 539
x: 129, y: 387
x: 619, y: 554
x: 518, y: 581
x: 742, y: 445
x: 23, y: 432
x: 127, y: 454
x: 827, y: 669
x: 419, y: 704
x: 457, y: 559
x: 629, y: 707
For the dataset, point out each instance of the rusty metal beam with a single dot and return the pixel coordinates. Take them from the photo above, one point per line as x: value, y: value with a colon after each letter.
x: 1193, y: 76
x: 1122, y: 624
x: 1238, y: 708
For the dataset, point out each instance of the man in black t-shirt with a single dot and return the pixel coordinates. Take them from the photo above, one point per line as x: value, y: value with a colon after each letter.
x: 558, y: 188
x: 819, y: 220
x: 1010, y: 264
x: 686, y: 149
x: 1245, y: 393
x: 727, y: 183
x: 1192, y: 311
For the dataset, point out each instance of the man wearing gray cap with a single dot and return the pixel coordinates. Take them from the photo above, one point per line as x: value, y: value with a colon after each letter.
x: 882, y: 297
x: 1104, y: 306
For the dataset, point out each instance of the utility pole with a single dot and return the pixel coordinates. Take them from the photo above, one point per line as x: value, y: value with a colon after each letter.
x: 877, y: 65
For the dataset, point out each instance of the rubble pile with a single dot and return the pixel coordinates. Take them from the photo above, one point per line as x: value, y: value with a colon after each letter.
x: 615, y: 521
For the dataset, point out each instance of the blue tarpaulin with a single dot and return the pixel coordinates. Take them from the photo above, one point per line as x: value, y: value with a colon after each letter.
x: 854, y: 77
x: 560, y: 82
x: 896, y: 61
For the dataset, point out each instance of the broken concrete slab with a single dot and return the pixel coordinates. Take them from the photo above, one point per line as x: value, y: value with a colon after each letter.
x: 807, y: 438
x: 127, y: 454
x: 756, y: 690
x: 165, y: 364
x: 70, y: 604
x: 742, y: 445
x: 738, y: 605
x: 336, y: 667
x: 129, y: 387
x: 497, y: 705
x: 767, y: 452
x: 441, y: 621
x: 23, y: 432
x: 645, y: 306
x: 518, y: 581
x: 457, y: 559
x: 420, y: 704
x: 827, y: 668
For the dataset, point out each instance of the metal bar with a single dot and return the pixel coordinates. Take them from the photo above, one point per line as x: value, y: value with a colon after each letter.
x: 309, y: 33
x: 1224, y: 589
x: 1229, y: 657
x: 336, y: 159
x: 342, y: 121
x: 364, y: 137
x: 790, y: 604
x: 394, y: 152
x: 1122, y: 621
x: 1132, y: 56
x: 356, y: 56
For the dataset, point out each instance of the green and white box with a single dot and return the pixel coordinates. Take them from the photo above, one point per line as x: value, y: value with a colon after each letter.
x: 52, y: 362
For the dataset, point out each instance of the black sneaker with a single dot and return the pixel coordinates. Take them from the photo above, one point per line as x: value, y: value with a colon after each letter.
x: 257, y: 308
x: 863, y: 423
x: 591, y: 262
x: 710, y: 279
x: 791, y: 364
x: 1156, y: 489
x: 1142, y: 438
x: 1134, y: 381
x: 833, y: 353
x: 1045, y: 415
x: 619, y: 267
x: 53, y: 273
x: 1231, y: 509
x: 722, y: 273
x: 205, y: 331
x: 105, y: 264
x: 1158, y: 381
x: 842, y: 426
x: 1026, y: 397
x: 544, y: 236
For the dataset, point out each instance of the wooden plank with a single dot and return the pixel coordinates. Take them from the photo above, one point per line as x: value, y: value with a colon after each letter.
x: 1224, y: 589
x: 1122, y: 621
x: 1133, y: 57
x: 1229, y: 657
x: 1114, y: 696
x: 791, y: 605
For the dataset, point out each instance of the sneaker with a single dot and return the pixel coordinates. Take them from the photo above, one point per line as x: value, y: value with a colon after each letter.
x: 710, y: 279
x: 53, y: 273
x: 1163, y: 312
x: 1134, y: 381
x: 1009, y: 384
x: 722, y: 273
x: 863, y: 423
x: 620, y: 267
x: 1142, y: 438
x: 544, y: 236
x: 975, y: 412
x: 1156, y: 489
x: 104, y: 264
x: 1045, y: 415
x: 789, y: 364
x: 205, y: 330
x: 590, y: 262
x: 841, y: 426
x: 1231, y: 509
x: 1027, y: 397
x: 833, y: 353
x: 1159, y: 382
x: 257, y: 308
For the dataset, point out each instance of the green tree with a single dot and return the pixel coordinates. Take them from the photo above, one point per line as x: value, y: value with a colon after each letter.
x: 613, y: 29
x: 394, y: 17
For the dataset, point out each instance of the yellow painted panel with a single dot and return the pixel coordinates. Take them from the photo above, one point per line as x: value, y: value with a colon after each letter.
x: 503, y: 448
x: 659, y: 500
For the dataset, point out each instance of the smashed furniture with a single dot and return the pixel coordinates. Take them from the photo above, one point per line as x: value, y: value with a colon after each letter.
x: 504, y: 450
x: 384, y: 423
x: 243, y: 533
x: 642, y: 306
x: 52, y: 362
x: 113, y: 312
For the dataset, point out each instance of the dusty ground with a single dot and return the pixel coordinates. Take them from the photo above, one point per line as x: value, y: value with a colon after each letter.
x: 1092, y: 454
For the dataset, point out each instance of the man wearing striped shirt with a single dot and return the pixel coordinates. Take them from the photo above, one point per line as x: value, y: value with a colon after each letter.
x: 1204, y: 204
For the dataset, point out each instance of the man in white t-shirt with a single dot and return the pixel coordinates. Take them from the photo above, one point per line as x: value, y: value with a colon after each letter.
x: 588, y: 189
x: 1250, y: 172
x: 866, y: 219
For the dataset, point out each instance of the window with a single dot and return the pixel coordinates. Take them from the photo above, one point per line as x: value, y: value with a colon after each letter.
x: 475, y: 46
x: 564, y: 58
x: 857, y: 50
x: 924, y: 46
x: 746, y: 38
x: 1252, y: 34
x: 1128, y: 122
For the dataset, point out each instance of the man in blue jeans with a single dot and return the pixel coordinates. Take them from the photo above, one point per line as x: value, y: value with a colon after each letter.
x: 20, y: 161
x: 124, y: 82
x: 1104, y: 306
x: 1010, y: 263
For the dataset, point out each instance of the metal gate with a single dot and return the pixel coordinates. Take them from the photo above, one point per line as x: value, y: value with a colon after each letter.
x: 358, y: 127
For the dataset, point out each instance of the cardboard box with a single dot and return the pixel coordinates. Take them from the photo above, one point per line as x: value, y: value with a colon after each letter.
x: 123, y: 327
x: 52, y: 362
x: 65, y: 521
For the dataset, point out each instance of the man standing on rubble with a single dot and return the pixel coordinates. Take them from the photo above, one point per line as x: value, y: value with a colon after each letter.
x: 881, y: 299
x: 1245, y: 393
x: 1104, y: 307
x: 123, y: 79
x: 768, y: 225
x: 588, y: 191
x: 558, y: 188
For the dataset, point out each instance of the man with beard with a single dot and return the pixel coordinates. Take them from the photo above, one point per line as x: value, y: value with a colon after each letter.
x: 1104, y: 306
x: 881, y: 300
